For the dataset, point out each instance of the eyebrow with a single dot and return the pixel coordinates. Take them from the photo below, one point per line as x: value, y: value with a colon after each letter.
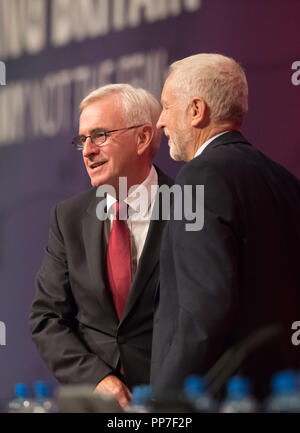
x: 95, y: 130
x: 99, y: 130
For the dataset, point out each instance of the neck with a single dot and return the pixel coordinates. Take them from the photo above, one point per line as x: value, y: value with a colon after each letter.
x: 210, y: 131
x: 136, y: 178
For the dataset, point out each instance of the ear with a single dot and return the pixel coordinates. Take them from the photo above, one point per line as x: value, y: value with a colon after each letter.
x: 198, y: 111
x: 145, y: 136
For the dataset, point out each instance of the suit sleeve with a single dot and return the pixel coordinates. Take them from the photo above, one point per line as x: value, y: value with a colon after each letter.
x: 206, y: 274
x: 53, y: 319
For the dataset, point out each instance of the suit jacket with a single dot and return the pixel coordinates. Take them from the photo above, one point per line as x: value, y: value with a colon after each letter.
x: 73, y: 320
x: 238, y: 274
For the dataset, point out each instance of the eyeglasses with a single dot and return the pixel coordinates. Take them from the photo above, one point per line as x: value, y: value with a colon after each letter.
x: 98, y: 137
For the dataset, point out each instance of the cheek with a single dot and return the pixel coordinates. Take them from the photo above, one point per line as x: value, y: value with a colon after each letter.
x: 174, y: 121
x: 116, y: 161
x: 173, y: 128
x: 85, y: 161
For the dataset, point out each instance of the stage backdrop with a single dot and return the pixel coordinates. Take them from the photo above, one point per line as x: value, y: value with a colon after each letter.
x: 53, y: 52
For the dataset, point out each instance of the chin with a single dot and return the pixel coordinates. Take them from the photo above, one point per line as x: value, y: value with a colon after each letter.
x: 98, y: 180
x: 94, y: 183
x: 104, y: 179
x: 175, y: 156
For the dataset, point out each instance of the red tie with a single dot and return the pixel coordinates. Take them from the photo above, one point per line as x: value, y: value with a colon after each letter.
x: 119, y: 261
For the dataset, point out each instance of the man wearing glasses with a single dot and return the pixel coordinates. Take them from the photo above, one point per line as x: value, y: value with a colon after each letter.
x: 93, y: 310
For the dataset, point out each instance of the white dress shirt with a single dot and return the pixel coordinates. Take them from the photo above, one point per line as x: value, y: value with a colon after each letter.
x: 206, y: 143
x: 139, y: 216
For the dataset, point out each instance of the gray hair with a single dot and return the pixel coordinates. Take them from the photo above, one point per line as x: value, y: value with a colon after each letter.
x: 139, y: 106
x: 219, y: 80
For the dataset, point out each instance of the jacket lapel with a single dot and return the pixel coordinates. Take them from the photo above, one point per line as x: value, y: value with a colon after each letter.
x: 150, y: 255
x: 93, y: 235
x: 229, y: 137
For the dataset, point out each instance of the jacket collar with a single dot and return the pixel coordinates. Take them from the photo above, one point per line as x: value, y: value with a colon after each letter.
x: 229, y: 137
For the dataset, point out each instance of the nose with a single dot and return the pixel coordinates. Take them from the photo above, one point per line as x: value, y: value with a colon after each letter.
x: 90, y: 148
x: 161, y: 121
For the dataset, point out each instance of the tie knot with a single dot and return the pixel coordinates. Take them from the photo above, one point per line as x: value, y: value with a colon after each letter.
x: 120, y: 210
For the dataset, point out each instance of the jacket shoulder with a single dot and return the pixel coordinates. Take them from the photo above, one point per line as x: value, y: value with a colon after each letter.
x: 78, y: 204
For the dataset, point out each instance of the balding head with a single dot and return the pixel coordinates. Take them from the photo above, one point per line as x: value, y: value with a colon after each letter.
x: 219, y: 80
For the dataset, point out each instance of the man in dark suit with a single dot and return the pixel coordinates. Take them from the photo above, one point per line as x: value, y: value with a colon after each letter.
x: 240, y: 272
x: 93, y: 311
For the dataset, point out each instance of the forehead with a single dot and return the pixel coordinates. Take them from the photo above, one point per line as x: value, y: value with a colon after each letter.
x: 105, y: 113
x: 168, y: 94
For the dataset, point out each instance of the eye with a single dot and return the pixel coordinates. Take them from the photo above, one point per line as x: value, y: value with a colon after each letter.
x: 98, y: 134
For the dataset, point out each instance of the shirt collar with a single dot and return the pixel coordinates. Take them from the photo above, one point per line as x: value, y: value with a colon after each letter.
x: 206, y: 143
x: 137, y: 196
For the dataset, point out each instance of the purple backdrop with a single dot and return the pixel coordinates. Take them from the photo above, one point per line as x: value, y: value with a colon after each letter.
x: 59, y: 50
